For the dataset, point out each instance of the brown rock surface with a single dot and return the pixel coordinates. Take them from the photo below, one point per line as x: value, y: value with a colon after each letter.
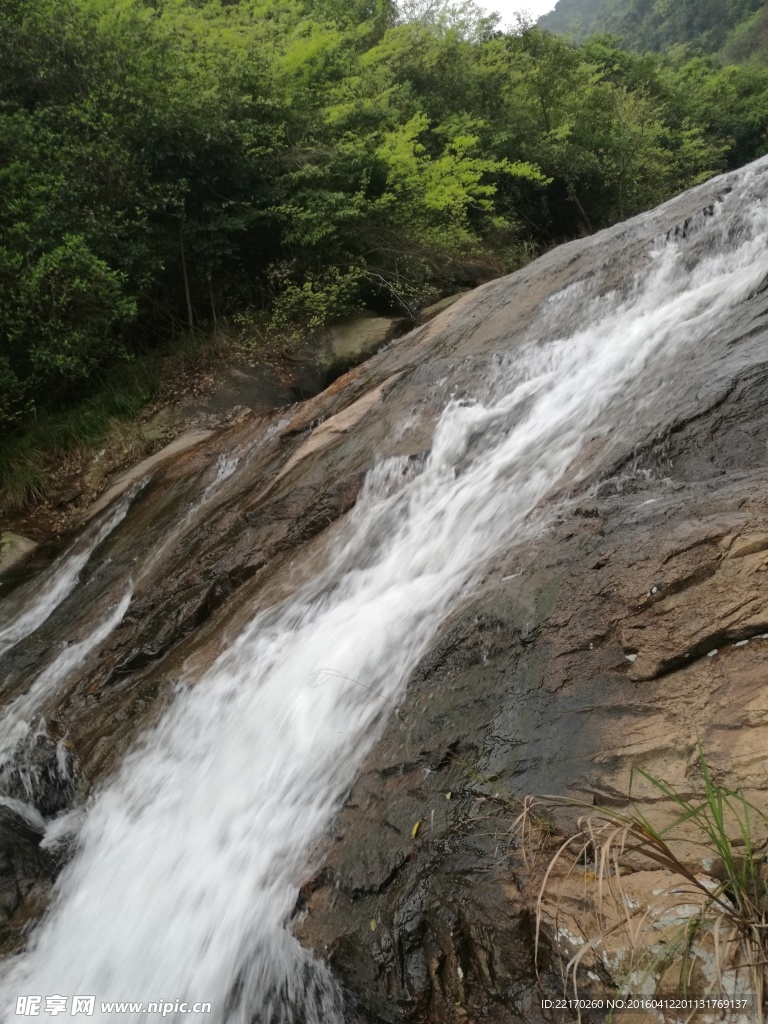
x: 579, y: 656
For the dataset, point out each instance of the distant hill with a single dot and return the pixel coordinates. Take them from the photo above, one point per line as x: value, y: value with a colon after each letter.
x: 582, y: 18
x: 738, y: 26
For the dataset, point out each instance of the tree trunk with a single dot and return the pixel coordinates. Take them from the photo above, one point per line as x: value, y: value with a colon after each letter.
x: 190, y: 315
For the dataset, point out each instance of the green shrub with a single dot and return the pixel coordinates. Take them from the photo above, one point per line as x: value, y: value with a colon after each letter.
x: 61, y: 325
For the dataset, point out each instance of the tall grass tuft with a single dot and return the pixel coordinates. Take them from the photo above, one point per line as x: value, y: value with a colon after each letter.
x: 720, y: 917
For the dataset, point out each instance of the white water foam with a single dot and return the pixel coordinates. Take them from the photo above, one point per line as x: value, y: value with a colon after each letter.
x: 226, y: 465
x: 188, y: 861
x: 18, y: 717
x: 44, y: 595
x: 19, y: 723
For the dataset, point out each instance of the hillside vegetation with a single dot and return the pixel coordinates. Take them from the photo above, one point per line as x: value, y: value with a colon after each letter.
x: 166, y: 165
x: 738, y: 28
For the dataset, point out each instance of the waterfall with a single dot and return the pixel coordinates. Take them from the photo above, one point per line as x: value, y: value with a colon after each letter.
x: 42, y: 597
x: 188, y: 860
x: 18, y: 716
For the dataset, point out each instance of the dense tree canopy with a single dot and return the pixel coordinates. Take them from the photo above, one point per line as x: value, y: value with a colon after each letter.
x: 168, y: 163
x: 657, y: 24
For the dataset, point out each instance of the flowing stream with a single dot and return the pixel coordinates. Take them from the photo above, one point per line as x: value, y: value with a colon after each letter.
x: 40, y: 599
x: 188, y: 861
x: 17, y: 717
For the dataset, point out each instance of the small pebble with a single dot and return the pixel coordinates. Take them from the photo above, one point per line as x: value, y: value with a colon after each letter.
x: 631, y: 657
x: 712, y: 653
x: 741, y: 643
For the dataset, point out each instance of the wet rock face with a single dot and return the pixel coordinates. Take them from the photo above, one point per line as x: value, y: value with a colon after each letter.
x: 43, y: 773
x: 575, y: 658
x: 25, y: 870
x: 600, y: 658
x: 635, y: 628
x: 620, y: 645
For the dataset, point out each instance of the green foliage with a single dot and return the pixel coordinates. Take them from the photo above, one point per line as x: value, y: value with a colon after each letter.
x: 29, y: 461
x: 724, y: 823
x: 748, y: 41
x: 72, y: 301
x: 608, y: 128
x: 320, y: 298
x: 60, y: 317
x: 654, y: 24
x: 168, y: 163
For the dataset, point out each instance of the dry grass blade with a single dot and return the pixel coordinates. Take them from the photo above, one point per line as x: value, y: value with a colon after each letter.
x: 698, y: 934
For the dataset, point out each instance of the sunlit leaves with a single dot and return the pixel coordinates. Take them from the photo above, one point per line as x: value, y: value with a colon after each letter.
x: 167, y: 162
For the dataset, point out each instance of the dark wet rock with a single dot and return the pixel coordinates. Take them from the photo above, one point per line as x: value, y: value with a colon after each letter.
x: 43, y: 773
x: 574, y: 659
x: 26, y: 870
x: 530, y: 689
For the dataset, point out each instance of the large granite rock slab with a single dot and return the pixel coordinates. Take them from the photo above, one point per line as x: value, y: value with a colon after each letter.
x: 631, y: 628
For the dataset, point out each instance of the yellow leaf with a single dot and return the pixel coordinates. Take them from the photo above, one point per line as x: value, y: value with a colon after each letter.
x: 415, y: 829
x: 373, y: 925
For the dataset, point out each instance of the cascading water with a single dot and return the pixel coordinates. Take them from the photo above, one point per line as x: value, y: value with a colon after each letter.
x: 188, y: 861
x: 17, y: 717
x: 20, y: 726
x: 41, y: 599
